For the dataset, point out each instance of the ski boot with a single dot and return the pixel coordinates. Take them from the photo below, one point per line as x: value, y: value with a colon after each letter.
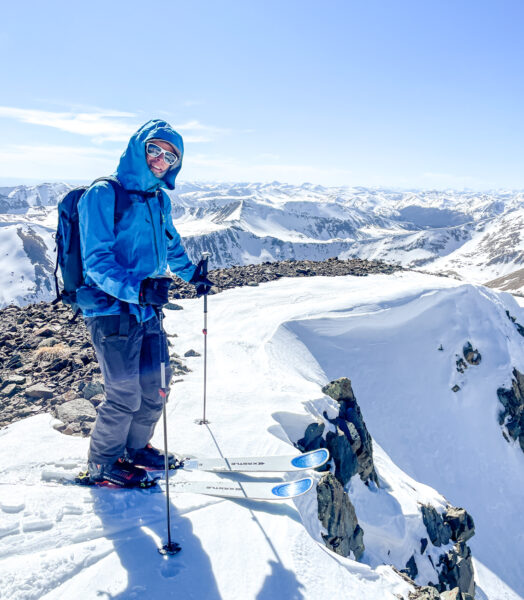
x: 151, y: 458
x: 121, y: 473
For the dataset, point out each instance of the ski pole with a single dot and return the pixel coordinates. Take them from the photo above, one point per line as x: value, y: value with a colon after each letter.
x: 171, y: 547
x: 205, y: 258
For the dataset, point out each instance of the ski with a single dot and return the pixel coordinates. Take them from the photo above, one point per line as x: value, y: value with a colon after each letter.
x: 276, y: 464
x: 249, y: 490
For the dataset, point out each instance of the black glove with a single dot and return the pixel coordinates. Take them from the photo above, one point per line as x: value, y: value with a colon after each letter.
x: 202, y: 284
x: 155, y: 291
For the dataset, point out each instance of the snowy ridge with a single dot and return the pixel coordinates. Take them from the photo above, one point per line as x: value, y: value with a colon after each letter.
x: 271, y: 348
x: 472, y: 236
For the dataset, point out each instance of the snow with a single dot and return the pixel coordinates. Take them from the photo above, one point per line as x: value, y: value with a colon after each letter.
x: 270, y: 348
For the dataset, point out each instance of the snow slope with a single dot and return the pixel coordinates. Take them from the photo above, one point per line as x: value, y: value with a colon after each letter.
x: 270, y: 348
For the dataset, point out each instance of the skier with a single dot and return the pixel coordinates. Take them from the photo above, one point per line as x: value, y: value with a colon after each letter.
x: 125, y: 285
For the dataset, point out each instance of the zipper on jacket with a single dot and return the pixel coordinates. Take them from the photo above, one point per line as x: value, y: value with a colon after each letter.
x: 154, y: 234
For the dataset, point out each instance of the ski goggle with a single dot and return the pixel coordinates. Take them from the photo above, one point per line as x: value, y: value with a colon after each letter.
x: 155, y: 151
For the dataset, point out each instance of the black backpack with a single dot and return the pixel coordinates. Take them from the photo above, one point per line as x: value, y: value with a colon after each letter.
x: 68, y: 256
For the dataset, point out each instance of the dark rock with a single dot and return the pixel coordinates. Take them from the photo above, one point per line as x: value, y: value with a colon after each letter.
x: 439, y: 532
x: 457, y: 569
x: 92, y: 388
x: 312, y: 439
x: 411, y: 569
x: 346, y: 463
x: 44, y: 332
x: 337, y: 514
x: 14, y: 362
x: 191, y: 353
x: 455, y: 388
x: 10, y: 390
x: 472, y: 356
x: 351, y: 422
x: 461, y: 365
x: 39, y: 391
x: 461, y: 524
x: 173, y: 306
x: 513, y: 402
x: 423, y: 545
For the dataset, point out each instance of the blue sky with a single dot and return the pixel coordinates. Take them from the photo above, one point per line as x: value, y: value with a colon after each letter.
x: 400, y: 93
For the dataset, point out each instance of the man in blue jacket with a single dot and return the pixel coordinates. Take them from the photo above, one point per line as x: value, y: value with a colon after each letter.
x: 125, y: 266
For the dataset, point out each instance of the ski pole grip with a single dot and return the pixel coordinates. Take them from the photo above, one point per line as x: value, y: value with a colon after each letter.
x: 205, y: 258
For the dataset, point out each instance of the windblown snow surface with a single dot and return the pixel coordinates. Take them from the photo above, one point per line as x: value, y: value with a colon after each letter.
x: 271, y: 348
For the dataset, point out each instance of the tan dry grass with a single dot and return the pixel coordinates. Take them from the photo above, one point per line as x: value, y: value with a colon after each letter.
x: 50, y: 353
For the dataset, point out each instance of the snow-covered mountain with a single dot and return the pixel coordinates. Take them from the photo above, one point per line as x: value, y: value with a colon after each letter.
x: 436, y: 440
x: 472, y: 236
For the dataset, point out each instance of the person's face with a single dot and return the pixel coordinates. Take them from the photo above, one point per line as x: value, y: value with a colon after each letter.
x: 158, y: 165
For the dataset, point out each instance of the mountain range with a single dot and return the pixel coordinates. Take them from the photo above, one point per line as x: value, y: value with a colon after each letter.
x: 467, y: 235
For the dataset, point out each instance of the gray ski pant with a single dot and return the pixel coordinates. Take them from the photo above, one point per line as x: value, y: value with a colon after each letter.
x: 131, y: 369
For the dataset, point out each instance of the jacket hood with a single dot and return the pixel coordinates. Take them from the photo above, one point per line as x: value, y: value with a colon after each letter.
x: 133, y: 172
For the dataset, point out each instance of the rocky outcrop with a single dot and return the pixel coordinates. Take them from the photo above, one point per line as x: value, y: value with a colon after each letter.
x: 457, y: 570
x: 470, y: 356
x: 456, y: 566
x: 351, y: 446
x: 512, y: 416
x: 337, y: 514
x: 518, y: 326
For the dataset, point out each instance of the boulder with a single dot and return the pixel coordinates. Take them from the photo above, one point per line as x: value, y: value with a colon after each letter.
x: 92, y: 388
x: 337, y: 514
x: 312, y: 439
x: 44, y: 331
x: 339, y: 389
x: 439, y: 532
x: 461, y: 524
x: 14, y: 378
x: 457, y: 569
x: 472, y: 356
x: 10, y: 390
x: 76, y: 411
x: 39, y: 391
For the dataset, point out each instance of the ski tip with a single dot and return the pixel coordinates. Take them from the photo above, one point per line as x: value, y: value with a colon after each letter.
x: 311, y: 460
x: 292, y: 489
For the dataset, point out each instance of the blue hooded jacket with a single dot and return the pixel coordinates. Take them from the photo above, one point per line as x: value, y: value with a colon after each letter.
x: 144, y: 242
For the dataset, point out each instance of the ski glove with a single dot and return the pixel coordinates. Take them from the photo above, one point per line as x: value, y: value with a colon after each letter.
x: 202, y: 284
x: 154, y: 291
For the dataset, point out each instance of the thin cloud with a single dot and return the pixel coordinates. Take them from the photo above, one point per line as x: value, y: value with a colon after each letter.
x: 104, y: 125
x: 100, y: 126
